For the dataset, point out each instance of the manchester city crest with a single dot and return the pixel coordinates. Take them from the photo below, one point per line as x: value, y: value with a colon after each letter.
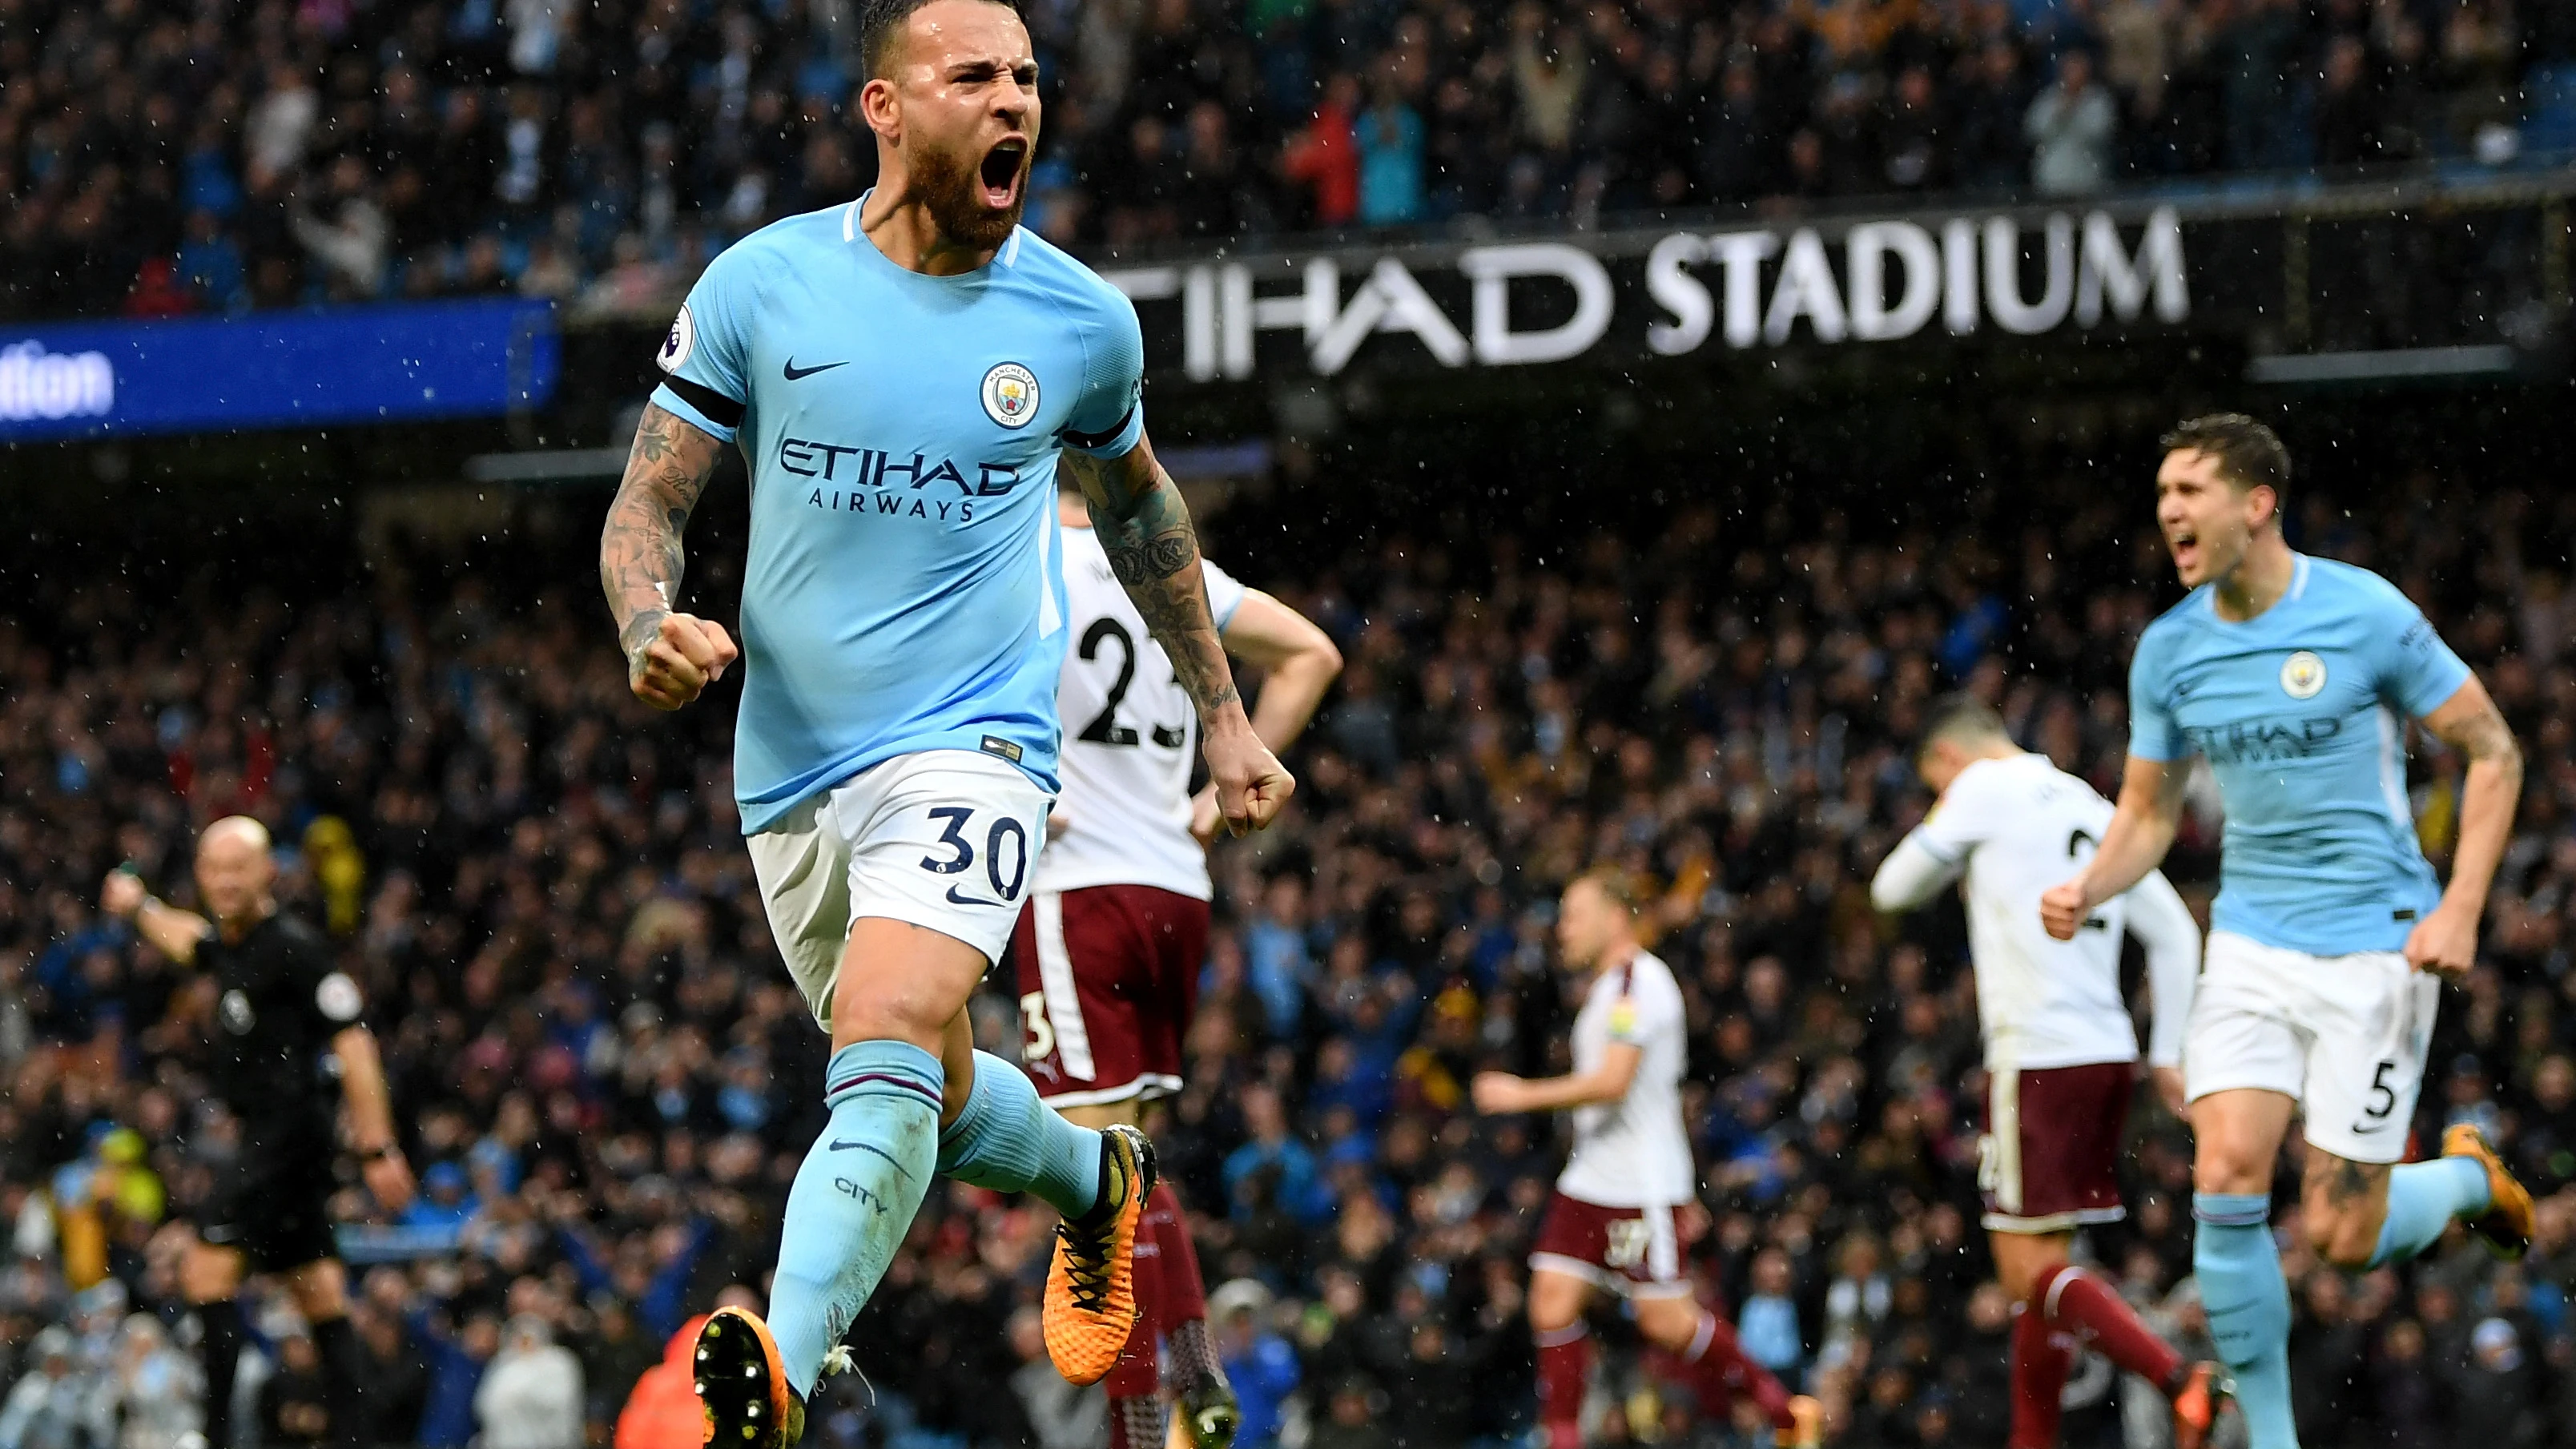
x: 1010, y: 394
x: 2302, y: 675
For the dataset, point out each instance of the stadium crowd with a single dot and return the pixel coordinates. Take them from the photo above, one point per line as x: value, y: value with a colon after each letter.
x: 228, y: 154
x: 606, y: 1081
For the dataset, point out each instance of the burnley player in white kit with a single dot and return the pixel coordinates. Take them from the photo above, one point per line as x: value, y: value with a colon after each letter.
x: 1609, y: 1224
x: 2060, y: 1051
x: 1108, y: 951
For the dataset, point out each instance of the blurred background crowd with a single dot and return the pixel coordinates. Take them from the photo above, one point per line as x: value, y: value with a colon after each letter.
x: 606, y: 1082
x: 218, y: 155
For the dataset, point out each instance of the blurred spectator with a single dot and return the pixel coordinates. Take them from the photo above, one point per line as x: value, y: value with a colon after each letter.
x: 1324, y: 158
x: 158, y: 1389
x: 50, y: 1405
x: 293, y: 1406
x: 1389, y: 134
x: 1062, y: 1416
x: 1261, y: 1365
x: 2070, y: 127
x: 663, y: 1411
x: 531, y: 1394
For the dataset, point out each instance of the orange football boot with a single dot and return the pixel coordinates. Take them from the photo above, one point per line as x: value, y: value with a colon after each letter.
x: 741, y: 1386
x: 2506, y: 1226
x: 2205, y: 1388
x: 1091, y: 1287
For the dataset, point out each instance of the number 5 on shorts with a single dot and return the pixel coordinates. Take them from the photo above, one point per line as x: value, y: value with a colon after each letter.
x: 2386, y: 1095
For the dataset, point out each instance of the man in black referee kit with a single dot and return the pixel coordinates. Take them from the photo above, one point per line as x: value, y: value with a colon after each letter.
x: 285, y: 1042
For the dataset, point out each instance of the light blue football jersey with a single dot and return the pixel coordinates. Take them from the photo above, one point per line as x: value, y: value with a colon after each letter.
x: 2301, y: 711
x: 902, y: 430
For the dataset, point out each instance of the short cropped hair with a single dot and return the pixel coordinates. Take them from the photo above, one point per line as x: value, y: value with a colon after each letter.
x: 881, y: 24
x: 1614, y: 885
x: 1960, y: 717
x: 2249, y: 454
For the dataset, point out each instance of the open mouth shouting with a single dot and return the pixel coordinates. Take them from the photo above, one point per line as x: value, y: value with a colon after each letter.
x: 2184, y: 540
x: 1003, y: 173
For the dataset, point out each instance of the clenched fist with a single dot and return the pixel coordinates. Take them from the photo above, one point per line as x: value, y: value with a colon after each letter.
x: 2063, y: 908
x: 677, y: 661
x: 1251, y: 786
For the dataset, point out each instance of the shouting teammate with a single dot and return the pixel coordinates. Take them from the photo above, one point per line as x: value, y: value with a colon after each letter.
x: 286, y: 1050
x: 1109, y: 948
x: 2296, y: 677
x: 902, y: 374
x: 1609, y: 1224
x: 2059, y: 1047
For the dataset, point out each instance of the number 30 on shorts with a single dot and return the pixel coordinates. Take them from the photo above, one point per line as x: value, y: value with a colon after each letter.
x: 1006, y: 843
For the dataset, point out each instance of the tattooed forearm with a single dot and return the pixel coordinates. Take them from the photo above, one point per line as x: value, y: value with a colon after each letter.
x: 639, y: 548
x: 1144, y: 527
x: 2470, y: 723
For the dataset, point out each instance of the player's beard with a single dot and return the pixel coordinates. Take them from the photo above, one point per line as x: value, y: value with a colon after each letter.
x: 949, y: 183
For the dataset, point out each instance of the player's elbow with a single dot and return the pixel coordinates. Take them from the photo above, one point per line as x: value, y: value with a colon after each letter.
x: 2503, y: 753
x: 1321, y: 658
x: 1885, y: 896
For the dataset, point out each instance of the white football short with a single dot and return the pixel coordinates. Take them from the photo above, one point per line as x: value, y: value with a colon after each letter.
x: 943, y: 839
x: 2346, y: 1036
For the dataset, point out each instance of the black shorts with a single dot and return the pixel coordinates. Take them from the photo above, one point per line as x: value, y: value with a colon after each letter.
x: 275, y: 1205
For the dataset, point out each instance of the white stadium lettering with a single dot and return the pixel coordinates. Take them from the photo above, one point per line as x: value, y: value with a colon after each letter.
x: 1752, y: 287
x: 35, y: 383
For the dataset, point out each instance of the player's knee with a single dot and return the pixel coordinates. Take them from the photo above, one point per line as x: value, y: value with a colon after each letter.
x: 1551, y: 1311
x: 2224, y: 1167
x: 1668, y: 1322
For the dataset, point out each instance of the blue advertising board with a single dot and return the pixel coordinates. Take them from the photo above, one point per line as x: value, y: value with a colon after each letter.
x: 402, y: 362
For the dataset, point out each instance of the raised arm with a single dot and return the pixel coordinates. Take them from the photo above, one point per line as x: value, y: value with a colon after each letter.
x: 670, y: 656
x: 1145, y: 529
x: 174, y: 932
x: 2447, y: 940
x: 2135, y: 842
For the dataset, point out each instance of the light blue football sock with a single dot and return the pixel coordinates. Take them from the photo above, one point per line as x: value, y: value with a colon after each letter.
x: 2238, y: 1267
x: 2423, y: 1197
x: 1009, y: 1141
x: 854, y: 1198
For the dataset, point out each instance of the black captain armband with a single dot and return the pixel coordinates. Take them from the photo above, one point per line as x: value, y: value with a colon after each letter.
x: 1100, y: 439
x: 723, y: 411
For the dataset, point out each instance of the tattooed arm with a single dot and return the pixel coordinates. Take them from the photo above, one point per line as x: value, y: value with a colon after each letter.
x: 670, y: 656
x: 1145, y: 529
x: 2447, y: 940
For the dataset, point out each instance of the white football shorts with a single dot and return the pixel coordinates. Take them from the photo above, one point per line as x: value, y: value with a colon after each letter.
x: 943, y: 839
x: 2346, y: 1036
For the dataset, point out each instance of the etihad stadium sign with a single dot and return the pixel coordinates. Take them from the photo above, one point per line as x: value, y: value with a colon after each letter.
x: 1674, y: 293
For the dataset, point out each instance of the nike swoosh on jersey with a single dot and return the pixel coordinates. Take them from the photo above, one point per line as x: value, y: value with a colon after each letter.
x: 794, y: 372
x: 955, y: 899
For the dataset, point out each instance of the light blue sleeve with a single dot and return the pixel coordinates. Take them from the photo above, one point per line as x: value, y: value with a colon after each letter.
x: 2153, y: 734
x: 706, y: 354
x: 2417, y: 671
x: 1109, y: 417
